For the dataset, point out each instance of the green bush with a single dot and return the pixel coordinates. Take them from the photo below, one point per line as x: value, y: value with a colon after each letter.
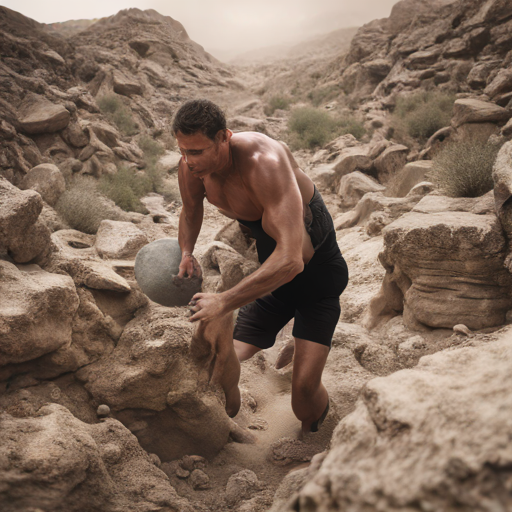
x: 420, y: 115
x: 125, y: 188
x: 311, y: 127
x: 83, y: 207
x: 277, y: 102
x: 112, y: 106
x: 464, y: 169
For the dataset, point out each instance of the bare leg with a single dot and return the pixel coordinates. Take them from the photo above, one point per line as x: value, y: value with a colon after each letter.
x: 244, y: 350
x: 309, y: 396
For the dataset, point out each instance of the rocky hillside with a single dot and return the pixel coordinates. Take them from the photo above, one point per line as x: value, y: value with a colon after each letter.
x: 105, y: 399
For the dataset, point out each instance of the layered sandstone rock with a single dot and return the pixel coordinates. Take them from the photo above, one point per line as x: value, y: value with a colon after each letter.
x: 154, y: 386
x: 438, y: 432
x: 36, y: 312
x: 449, y: 267
x: 62, y: 463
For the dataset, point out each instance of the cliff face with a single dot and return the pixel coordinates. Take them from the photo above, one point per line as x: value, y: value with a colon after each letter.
x: 454, y: 44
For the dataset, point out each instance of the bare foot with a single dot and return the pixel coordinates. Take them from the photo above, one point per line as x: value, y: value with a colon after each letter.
x: 318, y: 423
x: 285, y: 356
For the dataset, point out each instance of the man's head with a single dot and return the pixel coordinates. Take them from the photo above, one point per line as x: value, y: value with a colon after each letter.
x: 203, y: 139
x: 199, y: 116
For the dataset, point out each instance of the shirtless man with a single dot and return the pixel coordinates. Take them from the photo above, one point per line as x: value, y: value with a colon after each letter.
x: 255, y: 179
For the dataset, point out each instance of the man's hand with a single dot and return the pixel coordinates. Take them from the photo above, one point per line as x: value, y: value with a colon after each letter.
x: 207, y: 306
x: 189, y: 266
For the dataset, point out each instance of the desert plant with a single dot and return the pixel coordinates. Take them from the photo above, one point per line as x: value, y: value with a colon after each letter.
x: 277, y: 102
x: 83, y: 207
x: 112, y: 106
x: 464, y: 169
x: 312, y: 127
x: 420, y: 115
x: 126, y: 187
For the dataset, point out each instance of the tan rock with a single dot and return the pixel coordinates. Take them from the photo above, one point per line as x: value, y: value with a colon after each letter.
x: 224, y: 267
x: 415, y: 424
x: 350, y: 159
x: 354, y: 186
x: 38, y: 115
x: 156, y: 387
x: 98, y: 466
x: 47, y: 180
x: 506, y: 131
x: 244, y: 123
x: 33, y: 244
x: 501, y: 83
x: 476, y: 111
x: 119, y: 240
x: 126, y: 85
x: 412, y: 174
x: 36, y: 312
x: 390, y: 161
x: 76, y: 256
x: 454, y: 269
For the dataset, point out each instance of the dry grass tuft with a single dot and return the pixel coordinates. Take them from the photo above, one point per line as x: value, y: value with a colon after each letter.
x: 82, y: 206
x: 464, y: 169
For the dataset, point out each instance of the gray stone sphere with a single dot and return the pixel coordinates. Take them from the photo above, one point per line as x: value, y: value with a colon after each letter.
x: 156, y: 266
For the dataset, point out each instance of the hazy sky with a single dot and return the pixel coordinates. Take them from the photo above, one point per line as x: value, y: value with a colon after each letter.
x: 230, y: 26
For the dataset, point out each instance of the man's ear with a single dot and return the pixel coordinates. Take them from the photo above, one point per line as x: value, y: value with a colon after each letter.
x: 224, y: 135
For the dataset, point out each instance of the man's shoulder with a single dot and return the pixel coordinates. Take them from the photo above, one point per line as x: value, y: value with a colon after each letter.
x: 250, y: 144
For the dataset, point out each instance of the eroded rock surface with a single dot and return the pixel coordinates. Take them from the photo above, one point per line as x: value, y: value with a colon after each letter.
x: 439, y: 432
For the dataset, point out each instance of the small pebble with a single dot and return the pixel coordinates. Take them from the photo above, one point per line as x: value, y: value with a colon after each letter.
x: 103, y: 410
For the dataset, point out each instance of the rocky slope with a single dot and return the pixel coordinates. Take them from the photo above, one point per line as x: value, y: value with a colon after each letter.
x: 102, y: 389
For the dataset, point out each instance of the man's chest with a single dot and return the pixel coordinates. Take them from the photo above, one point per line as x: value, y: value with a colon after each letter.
x: 232, y: 197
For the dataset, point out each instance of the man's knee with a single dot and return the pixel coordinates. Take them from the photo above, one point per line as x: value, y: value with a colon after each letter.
x: 304, y: 388
x: 244, y: 351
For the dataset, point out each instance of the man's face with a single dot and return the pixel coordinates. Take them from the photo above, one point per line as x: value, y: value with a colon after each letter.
x: 201, y: 154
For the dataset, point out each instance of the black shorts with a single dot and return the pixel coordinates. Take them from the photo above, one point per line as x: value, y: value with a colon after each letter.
x: 311, y: 298
x: 259, y: 322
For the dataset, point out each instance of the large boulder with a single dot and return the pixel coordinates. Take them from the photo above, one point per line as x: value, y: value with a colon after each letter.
x: 412, y: 174
x: 501, y: 83
x: 354, y: 186
x: 390, y: 161
x: 350, y: 159
x: 119, y: 240
x: 46, y: 179
x: 430, y: 438
x: 38, y: 115
x: 470, y: 110
x: 36, y: 312
x: 450, y: 269
x: 54, y: 461
x: 154, y: 386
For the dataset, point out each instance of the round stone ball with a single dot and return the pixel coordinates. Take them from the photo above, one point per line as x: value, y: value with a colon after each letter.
x: 156, y: 266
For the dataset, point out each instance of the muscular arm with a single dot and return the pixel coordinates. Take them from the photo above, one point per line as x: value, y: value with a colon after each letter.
x: 191, y: 219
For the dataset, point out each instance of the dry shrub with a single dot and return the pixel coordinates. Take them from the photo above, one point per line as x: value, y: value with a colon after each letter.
x: 126, y: 187
x: 82, y: 207
x: 277, y: 102
x: 464, y: 169
x: 312, y: 127
x: 112, y: 106
x: 422, y: 114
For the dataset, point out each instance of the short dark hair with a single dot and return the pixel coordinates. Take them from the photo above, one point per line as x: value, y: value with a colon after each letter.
x: 199, y: 116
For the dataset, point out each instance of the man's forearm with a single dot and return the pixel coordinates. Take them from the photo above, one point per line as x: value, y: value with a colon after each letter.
x: 276, y: 271
x: 188, y: 231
